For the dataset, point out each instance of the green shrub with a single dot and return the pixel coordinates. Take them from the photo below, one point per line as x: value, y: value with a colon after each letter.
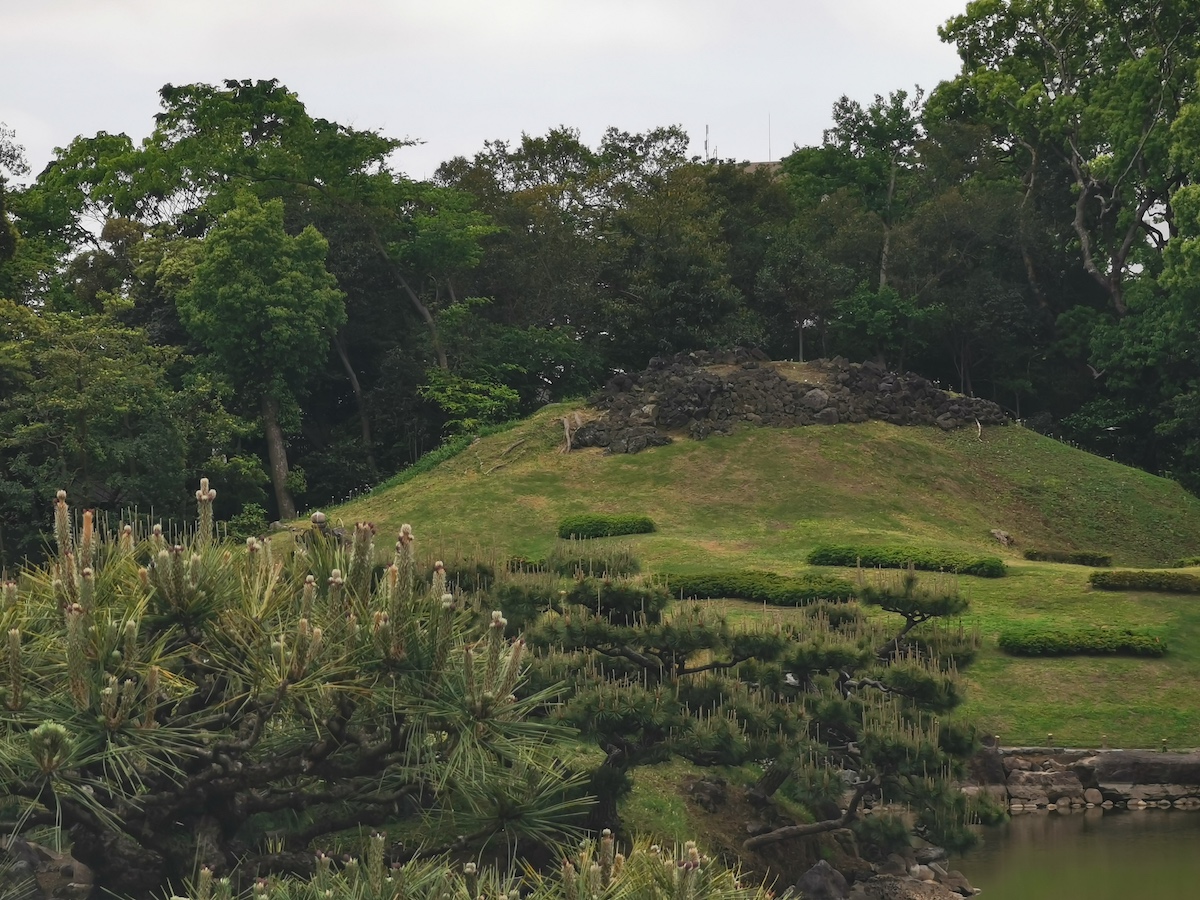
x: 760, y: 587
x: 250, y: 522
x: 929, y: 560
x: 1044, y: 640
x: 598, y: 525
x: 1146, y: 580
x: 1075, y: 557
x: 1187, y: 562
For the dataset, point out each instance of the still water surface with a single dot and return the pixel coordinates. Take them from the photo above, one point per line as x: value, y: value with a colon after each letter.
x: 1088, y: 855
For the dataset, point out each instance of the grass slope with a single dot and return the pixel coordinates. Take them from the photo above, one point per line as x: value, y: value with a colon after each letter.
x: 762, y: 498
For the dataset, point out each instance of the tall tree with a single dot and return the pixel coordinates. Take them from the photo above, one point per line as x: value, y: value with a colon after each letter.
x: 87, y: 404
x: 1085, y: 92
x: 12, y: 162
x: 868, y: 153
x: 266, y: 307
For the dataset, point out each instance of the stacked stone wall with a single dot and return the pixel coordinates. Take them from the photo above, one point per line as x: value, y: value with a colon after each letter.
x: 699, y: 394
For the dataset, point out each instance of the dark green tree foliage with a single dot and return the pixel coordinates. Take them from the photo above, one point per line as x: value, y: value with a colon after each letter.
x: 203, y: 704
x: 806, y: 697
x: 12, y: 162
x: 85, y: 402
x: 263, y: 303
x: 1091, y: 89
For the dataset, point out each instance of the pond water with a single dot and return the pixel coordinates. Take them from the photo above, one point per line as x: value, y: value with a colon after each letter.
x: 1088, y: 855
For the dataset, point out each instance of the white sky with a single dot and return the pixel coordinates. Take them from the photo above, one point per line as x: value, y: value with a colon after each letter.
x: 454, y: 73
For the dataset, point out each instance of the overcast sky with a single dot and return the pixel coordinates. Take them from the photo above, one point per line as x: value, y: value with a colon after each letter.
x: 761, y: 74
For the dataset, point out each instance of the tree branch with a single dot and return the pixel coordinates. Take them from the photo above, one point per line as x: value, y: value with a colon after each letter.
x: 788, y: 832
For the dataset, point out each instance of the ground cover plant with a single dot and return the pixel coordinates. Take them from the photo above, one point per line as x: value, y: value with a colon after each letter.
x: 1074, y: 557
x: 1142, y: 580
x: 925, y: 559
x: 1051, y: 640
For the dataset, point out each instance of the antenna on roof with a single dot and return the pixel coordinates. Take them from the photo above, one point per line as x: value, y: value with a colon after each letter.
x: 706, y: 143
x: 770, y: 158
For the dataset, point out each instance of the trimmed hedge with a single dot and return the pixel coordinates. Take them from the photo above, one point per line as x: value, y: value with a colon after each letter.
x: 598, y: 525
x: 901, y: 557
x: 1161, y: 580
x: 1042, y: 640
x: 1075, y: 557
x: 760, y: 587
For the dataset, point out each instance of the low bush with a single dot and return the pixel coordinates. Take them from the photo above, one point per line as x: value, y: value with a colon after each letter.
x: 1075, y: 557
x: 760, y: 587
x: 1045, y: 640
x: 250, y: 522
x: 598, y: 525
x: 1187, y: 562
x: 928, y: 560
x: 1161, y: 580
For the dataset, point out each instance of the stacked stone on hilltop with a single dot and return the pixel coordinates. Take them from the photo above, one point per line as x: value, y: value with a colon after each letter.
x: 710, y: 393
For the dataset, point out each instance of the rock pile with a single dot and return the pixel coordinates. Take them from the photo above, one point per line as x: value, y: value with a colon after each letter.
x: 708, y: 393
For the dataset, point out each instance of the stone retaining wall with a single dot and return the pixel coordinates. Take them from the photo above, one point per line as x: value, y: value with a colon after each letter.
x: 706, y: 393
x: 1048, y: 778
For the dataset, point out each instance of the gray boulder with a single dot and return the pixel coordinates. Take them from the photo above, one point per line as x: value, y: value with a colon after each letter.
x: 823, y: 882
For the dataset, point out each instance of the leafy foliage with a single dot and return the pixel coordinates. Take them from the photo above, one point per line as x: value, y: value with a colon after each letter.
x: 903, y: 557
x: 469, y: 405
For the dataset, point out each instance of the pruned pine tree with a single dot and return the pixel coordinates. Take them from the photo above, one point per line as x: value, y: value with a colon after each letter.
x: 173, y: 701
x: 836, y: 699
x: 597, y: 870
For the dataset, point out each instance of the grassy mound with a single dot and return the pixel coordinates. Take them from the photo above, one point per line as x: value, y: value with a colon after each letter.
x: 761, y: 499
